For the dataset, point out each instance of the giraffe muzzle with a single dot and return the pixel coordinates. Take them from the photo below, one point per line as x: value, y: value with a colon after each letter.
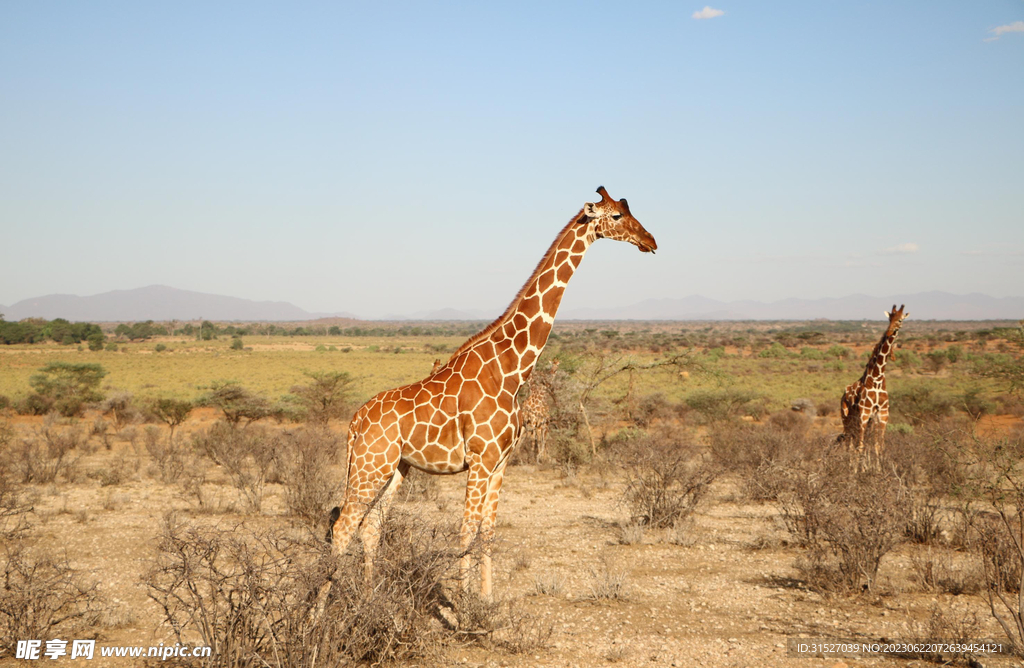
x: 647, y: 244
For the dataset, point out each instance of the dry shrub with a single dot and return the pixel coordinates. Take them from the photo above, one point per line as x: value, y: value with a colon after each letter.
x: 549, y: 584
x: 920, y: 405
x: 665, y: 479
x: 503, y: 625
x: 847, y: 519
x: 719, y: 405
x: 249, y: 455
x: 655, y: 407
x: 419, y: 486
x: 172, y: 457
x: 992, y: 508
x: 792, y: 421
x: 567, y: 449
x: 926, y: 464
x: 47, y: 456
x: 42, y: 597
x: 121, y: 470
x: 121, y: 409
x: 742, y: 448
x: 608, y: 582
x: 249, y: 594
x: 311, y: 485
x: 13, y: 506
x: 631, y: 534
x: 239, y: 591
x: 518, y: 632
x: 761, y: 455
x: 955, y: 625
x: 942, y: 573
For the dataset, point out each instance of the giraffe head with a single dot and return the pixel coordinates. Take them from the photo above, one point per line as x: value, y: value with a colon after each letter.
x: 896, y: 317
x: 612, y: 220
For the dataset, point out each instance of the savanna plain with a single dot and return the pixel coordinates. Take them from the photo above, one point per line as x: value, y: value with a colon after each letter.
x: 171, y: 485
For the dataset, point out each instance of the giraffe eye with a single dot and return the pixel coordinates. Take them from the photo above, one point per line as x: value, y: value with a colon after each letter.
x: 616, y: 216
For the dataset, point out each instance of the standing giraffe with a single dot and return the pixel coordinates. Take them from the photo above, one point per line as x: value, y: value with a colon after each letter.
x: 535, y: 414
x: 465, y: 417
x: 867, y: 398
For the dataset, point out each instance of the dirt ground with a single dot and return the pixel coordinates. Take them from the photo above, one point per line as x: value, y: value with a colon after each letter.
x: 723, y: 592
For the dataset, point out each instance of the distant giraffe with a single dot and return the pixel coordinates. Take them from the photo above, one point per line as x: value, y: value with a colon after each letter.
x: 436, y: 367
x: 465, y: 417
x: 535, y: 413
x: 867, y: 399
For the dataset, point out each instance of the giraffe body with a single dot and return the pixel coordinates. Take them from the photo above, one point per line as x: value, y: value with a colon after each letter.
x: 536, y: 413
x: 464, y: 416
x: 866, y: 401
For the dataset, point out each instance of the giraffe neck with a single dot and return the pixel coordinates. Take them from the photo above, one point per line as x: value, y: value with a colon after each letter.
x: 874, y: 374
x: 523, y: 329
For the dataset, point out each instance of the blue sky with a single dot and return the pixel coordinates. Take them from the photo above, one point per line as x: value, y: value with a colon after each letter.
x: 389, y: 158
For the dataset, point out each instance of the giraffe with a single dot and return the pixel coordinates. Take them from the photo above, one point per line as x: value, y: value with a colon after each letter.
x: 535, y: 414
x: 436, y: 367
x: 867, y: 398
x: 465, y: 416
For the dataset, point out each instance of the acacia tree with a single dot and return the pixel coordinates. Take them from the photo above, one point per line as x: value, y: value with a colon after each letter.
x: 597, y: 368
x: 238, y: 403
x: 326, y: 397
x: 172, y: 412
x: 68, y: 387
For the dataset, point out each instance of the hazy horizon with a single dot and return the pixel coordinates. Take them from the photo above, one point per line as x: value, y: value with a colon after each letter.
x: 405, y: 158
x: 166, y: 303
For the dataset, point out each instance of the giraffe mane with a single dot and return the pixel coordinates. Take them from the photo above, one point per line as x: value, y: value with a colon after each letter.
x: 489, y: 329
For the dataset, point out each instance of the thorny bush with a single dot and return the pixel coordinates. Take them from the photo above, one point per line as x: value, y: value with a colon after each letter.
x: 250, y: 594
x: 666, y: 479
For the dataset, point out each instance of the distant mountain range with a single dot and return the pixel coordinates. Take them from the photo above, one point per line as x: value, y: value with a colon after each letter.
x: 159, y: 302
x: 156, y: 302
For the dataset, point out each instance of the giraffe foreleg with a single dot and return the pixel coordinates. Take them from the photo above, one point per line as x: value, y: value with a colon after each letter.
x: 490, y: 512
x: 862, y: 424
x: 542, y: 442
x: 476, y: 494
x: 883, y: 422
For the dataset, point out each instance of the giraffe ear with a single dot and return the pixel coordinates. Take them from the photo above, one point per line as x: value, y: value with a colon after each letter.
x: 589, y: 210
x: 886, y: 314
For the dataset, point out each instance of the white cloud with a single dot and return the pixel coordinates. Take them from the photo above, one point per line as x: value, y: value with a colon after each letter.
x: 997, y: 32
x: 709, y: 13
x: 901, y: 249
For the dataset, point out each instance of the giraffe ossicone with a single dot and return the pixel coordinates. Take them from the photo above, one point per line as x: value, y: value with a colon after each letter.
x: 866, y: 400
x: 464, y: 416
